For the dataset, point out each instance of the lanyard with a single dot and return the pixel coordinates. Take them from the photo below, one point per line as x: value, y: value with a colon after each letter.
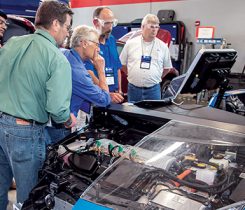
x: 142, y: 47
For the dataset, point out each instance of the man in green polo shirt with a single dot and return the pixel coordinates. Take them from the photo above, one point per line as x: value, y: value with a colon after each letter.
x: 35, y: 84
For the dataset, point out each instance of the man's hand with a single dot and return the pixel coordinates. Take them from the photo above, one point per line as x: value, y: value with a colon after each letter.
x: 71, y: 122
x: 98, y: 61
x: 99, y: 65
x: 116, y: 98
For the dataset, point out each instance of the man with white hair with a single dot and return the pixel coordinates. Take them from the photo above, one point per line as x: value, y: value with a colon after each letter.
x: 144, y: 58
x: 84, y: 46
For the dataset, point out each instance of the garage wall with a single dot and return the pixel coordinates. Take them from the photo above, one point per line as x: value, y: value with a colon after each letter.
x: 226, y: 15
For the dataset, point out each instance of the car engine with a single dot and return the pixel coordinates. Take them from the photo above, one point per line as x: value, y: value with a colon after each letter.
x: 126, y: 162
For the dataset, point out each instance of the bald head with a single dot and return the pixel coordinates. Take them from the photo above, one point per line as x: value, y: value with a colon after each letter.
x: 98, y: 11
x: 104, y: 21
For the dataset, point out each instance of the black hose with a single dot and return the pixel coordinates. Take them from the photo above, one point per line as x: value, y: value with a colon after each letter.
x: 193, y: 179
x: 205, y: 188
x: 225, y: 188
x: 74, y: 151
x: 196, y: 186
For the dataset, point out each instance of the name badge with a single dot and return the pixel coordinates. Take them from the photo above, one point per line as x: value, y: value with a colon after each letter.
x: 110, y: 80
x: 145, y: 62
x: 109, y: 76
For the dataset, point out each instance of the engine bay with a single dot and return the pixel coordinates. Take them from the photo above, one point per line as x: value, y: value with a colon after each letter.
x: 130, y: 162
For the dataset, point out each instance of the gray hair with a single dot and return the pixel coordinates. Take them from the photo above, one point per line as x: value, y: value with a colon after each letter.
x: 150, y: 18
x: 83, y: 32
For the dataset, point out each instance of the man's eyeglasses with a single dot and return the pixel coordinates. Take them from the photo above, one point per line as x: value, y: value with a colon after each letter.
x: 153, y: 26
x: 96, y: 43
x: 104, y: 23
x: 68, y: 27
x: 3, y: 22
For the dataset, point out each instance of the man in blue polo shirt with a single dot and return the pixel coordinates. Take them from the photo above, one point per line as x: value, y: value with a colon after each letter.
x: 103, y: 20
x: 84, y: 46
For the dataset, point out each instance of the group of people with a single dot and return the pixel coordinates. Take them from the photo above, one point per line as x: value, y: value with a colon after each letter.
x: 41, y: 83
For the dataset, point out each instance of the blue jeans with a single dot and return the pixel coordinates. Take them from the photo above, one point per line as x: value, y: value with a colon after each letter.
x: 138, y: 94
x: 22, y: 153
x: 54, y: 135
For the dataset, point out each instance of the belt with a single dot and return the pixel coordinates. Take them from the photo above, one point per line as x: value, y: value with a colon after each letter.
x: 57, y: 125
x: 145, y: 87
x: 21, y: 121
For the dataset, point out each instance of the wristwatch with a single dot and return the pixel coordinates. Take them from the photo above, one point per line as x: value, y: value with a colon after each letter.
x: 68, y: 122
